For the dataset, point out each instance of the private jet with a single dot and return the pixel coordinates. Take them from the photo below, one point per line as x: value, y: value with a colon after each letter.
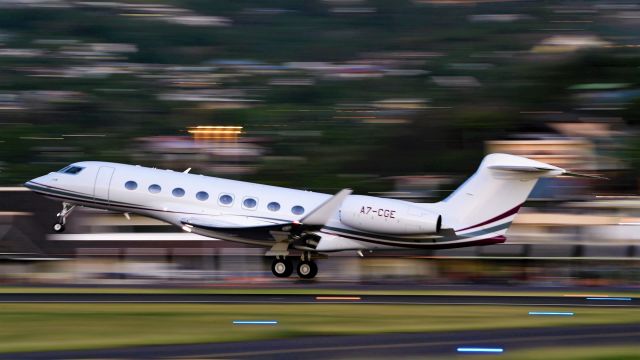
x: 288, y: 221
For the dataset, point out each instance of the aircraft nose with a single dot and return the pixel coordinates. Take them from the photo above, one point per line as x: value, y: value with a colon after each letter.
x: 30, y: 184
x: 33, y: 183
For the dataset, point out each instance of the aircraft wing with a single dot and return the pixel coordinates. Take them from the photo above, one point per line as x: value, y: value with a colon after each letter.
x: 320, y: 215
x: 240, y: 227
x: 247, y: 227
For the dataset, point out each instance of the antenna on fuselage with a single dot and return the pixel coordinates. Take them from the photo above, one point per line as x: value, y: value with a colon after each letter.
x: 187, y: 171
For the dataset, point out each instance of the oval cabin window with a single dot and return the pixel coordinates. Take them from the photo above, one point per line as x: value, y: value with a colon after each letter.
x: 131, y: 185
x: 226, y: 199
x: 273, y: 206
x: 178, y: 192
x: 249, y: 203
x: 202, y: 195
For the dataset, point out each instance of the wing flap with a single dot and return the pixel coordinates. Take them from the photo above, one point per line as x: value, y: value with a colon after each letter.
x: 230, y: 222
x: 257, y: 230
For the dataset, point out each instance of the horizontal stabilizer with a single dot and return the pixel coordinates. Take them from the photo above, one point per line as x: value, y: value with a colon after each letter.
x: 543, y: 169
x: 523, y: 168
x: 568, y: 173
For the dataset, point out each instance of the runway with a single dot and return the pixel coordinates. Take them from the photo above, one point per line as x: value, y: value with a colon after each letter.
x: 390, y: 345
x: 365, y: 346
x: 581, y: 301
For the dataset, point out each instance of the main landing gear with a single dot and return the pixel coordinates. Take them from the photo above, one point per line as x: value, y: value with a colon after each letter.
x: 306, y: 269
x: 62, y: 217
x: 282, y: 267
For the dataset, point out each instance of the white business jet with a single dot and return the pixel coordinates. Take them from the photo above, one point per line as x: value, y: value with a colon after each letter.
x: 479, y: 212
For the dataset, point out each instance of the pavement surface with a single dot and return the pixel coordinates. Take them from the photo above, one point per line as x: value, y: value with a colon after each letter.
x: 376, y: 346
x: 380, y: 346
x: 588, y: 301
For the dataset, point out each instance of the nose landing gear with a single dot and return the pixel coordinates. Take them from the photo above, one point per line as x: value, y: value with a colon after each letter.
x: 62, y: 217
x: 58, y: 227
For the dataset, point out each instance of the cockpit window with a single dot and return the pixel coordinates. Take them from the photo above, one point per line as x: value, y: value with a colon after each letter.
x: 73, y: 170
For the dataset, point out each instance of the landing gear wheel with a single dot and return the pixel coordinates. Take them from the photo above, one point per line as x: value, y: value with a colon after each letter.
x: 307, y: 269
x: 58, y: 227
x: 282, y: 267
x: 61, y: 219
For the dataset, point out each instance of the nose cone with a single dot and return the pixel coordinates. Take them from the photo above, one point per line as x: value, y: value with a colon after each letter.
x: 36, y: 182
x: 29, y: 184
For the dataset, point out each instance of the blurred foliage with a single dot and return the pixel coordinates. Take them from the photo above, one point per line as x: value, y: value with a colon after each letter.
x: 446, y: 136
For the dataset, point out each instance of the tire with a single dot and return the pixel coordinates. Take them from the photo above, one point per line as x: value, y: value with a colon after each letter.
x: 307, y: 269
x: 282, y: 268
x: 58, y: 227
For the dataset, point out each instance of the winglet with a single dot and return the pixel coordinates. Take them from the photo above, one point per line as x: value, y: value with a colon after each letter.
x: 320, y: 215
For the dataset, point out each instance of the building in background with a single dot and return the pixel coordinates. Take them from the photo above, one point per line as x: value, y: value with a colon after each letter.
x: 218, y: 150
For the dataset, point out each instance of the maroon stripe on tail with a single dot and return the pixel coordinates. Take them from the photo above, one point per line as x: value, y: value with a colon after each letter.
x: 501, y: 216
x: 498, y: 239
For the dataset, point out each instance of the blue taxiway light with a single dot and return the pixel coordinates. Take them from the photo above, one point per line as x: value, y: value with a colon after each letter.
x: 261, y: 322
x: 479, y: 350
x: 610, y: 298
x: 550, y: 313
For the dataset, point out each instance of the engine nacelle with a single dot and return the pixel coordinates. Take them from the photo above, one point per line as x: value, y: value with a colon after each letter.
x: 388, y: 216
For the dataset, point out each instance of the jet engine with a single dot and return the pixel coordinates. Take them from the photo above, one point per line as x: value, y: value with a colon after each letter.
x: 388, y: 216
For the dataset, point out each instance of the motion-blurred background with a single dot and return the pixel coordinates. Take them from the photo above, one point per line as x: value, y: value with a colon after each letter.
x: 392, y: 98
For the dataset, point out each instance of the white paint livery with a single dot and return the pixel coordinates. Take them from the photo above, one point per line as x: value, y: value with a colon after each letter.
x: 285, y: 220
x: 388, y: 216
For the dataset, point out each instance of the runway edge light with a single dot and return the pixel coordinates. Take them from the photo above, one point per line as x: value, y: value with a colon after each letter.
x: 479, y: 350
x: 550, y: 313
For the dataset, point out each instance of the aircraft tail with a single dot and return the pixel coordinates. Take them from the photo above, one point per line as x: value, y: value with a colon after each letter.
x: 485, y: 205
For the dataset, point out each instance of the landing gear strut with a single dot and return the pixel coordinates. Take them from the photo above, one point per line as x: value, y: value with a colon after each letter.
x: 282, y: 267
x: 307, y: 268
x: 62, y: 217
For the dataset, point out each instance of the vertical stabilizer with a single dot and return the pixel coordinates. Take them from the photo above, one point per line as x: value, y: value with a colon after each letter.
x: 489, y: 200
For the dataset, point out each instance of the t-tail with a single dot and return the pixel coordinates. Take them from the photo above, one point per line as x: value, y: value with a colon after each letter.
x: 484, y: 206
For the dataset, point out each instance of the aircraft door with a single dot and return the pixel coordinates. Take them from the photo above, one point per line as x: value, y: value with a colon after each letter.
x: 103, y: 183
